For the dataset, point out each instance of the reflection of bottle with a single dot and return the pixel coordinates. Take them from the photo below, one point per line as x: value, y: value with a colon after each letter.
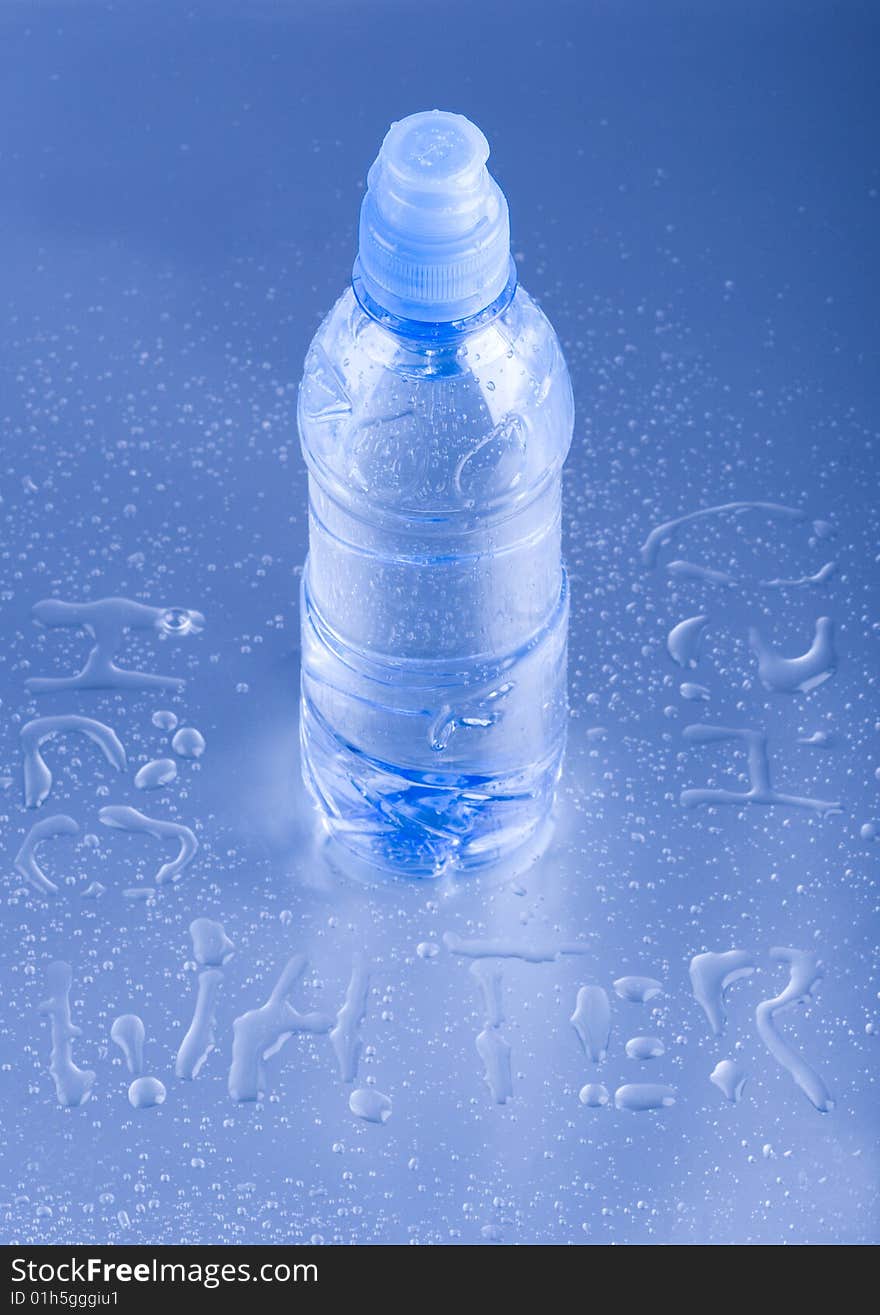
x: 435, y: 414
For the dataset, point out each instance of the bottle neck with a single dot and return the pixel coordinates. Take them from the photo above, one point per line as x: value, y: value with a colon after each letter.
x: 430, y: 335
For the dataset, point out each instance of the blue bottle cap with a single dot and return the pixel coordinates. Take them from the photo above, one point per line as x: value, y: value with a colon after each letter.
x: 434, y: 241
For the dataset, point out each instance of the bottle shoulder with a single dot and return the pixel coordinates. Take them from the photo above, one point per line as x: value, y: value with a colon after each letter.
x: 430, y: 428
x: 520, y: 332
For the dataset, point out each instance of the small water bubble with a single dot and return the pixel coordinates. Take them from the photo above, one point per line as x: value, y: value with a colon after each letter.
x: 176, y: 621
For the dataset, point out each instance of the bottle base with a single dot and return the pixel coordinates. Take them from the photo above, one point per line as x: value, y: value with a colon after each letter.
x: 423, y: 825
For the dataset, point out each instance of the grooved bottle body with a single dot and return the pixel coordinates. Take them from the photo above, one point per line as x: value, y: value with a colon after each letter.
x: 434, y: 602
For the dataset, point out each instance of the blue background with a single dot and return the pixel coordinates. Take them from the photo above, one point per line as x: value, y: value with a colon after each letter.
x: 694, y: 201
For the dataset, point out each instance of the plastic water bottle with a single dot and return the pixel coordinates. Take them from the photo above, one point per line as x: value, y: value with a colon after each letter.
x: 435, y: 414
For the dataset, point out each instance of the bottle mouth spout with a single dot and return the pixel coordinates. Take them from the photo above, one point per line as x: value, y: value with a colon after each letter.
x: 438, y: 334
x: 434, y: 237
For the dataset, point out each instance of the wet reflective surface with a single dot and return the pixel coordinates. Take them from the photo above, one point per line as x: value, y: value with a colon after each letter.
x: 427, y: 1067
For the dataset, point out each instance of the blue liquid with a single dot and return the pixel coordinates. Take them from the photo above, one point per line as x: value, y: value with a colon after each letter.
x: 434, y: 601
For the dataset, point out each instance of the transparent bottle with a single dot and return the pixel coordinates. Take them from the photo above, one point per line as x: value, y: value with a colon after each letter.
x: 435, y: 414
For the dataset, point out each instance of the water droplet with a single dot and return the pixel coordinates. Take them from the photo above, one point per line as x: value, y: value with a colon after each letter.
x: 637, y: 989
x: 683, y: 640
x: 711, y: 974
x: 730, y: 1079
x: 145, y: 1093
x: 176, y: 621
x: 188, y: 742
x: 211, y: 946
x: 369, y: 1104
x: 127, y: 1031
x: 72, y: 1085
x: 153, y: 775
x: 109, y: 621
x: 805, y: 972
x: 645, y: 1047
x: 640, y: 1096
x: 788, y: 675
x: 594, y: 1095
x: 123, y: 818
x: 262, y: 1032
x: 591, y: 1021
